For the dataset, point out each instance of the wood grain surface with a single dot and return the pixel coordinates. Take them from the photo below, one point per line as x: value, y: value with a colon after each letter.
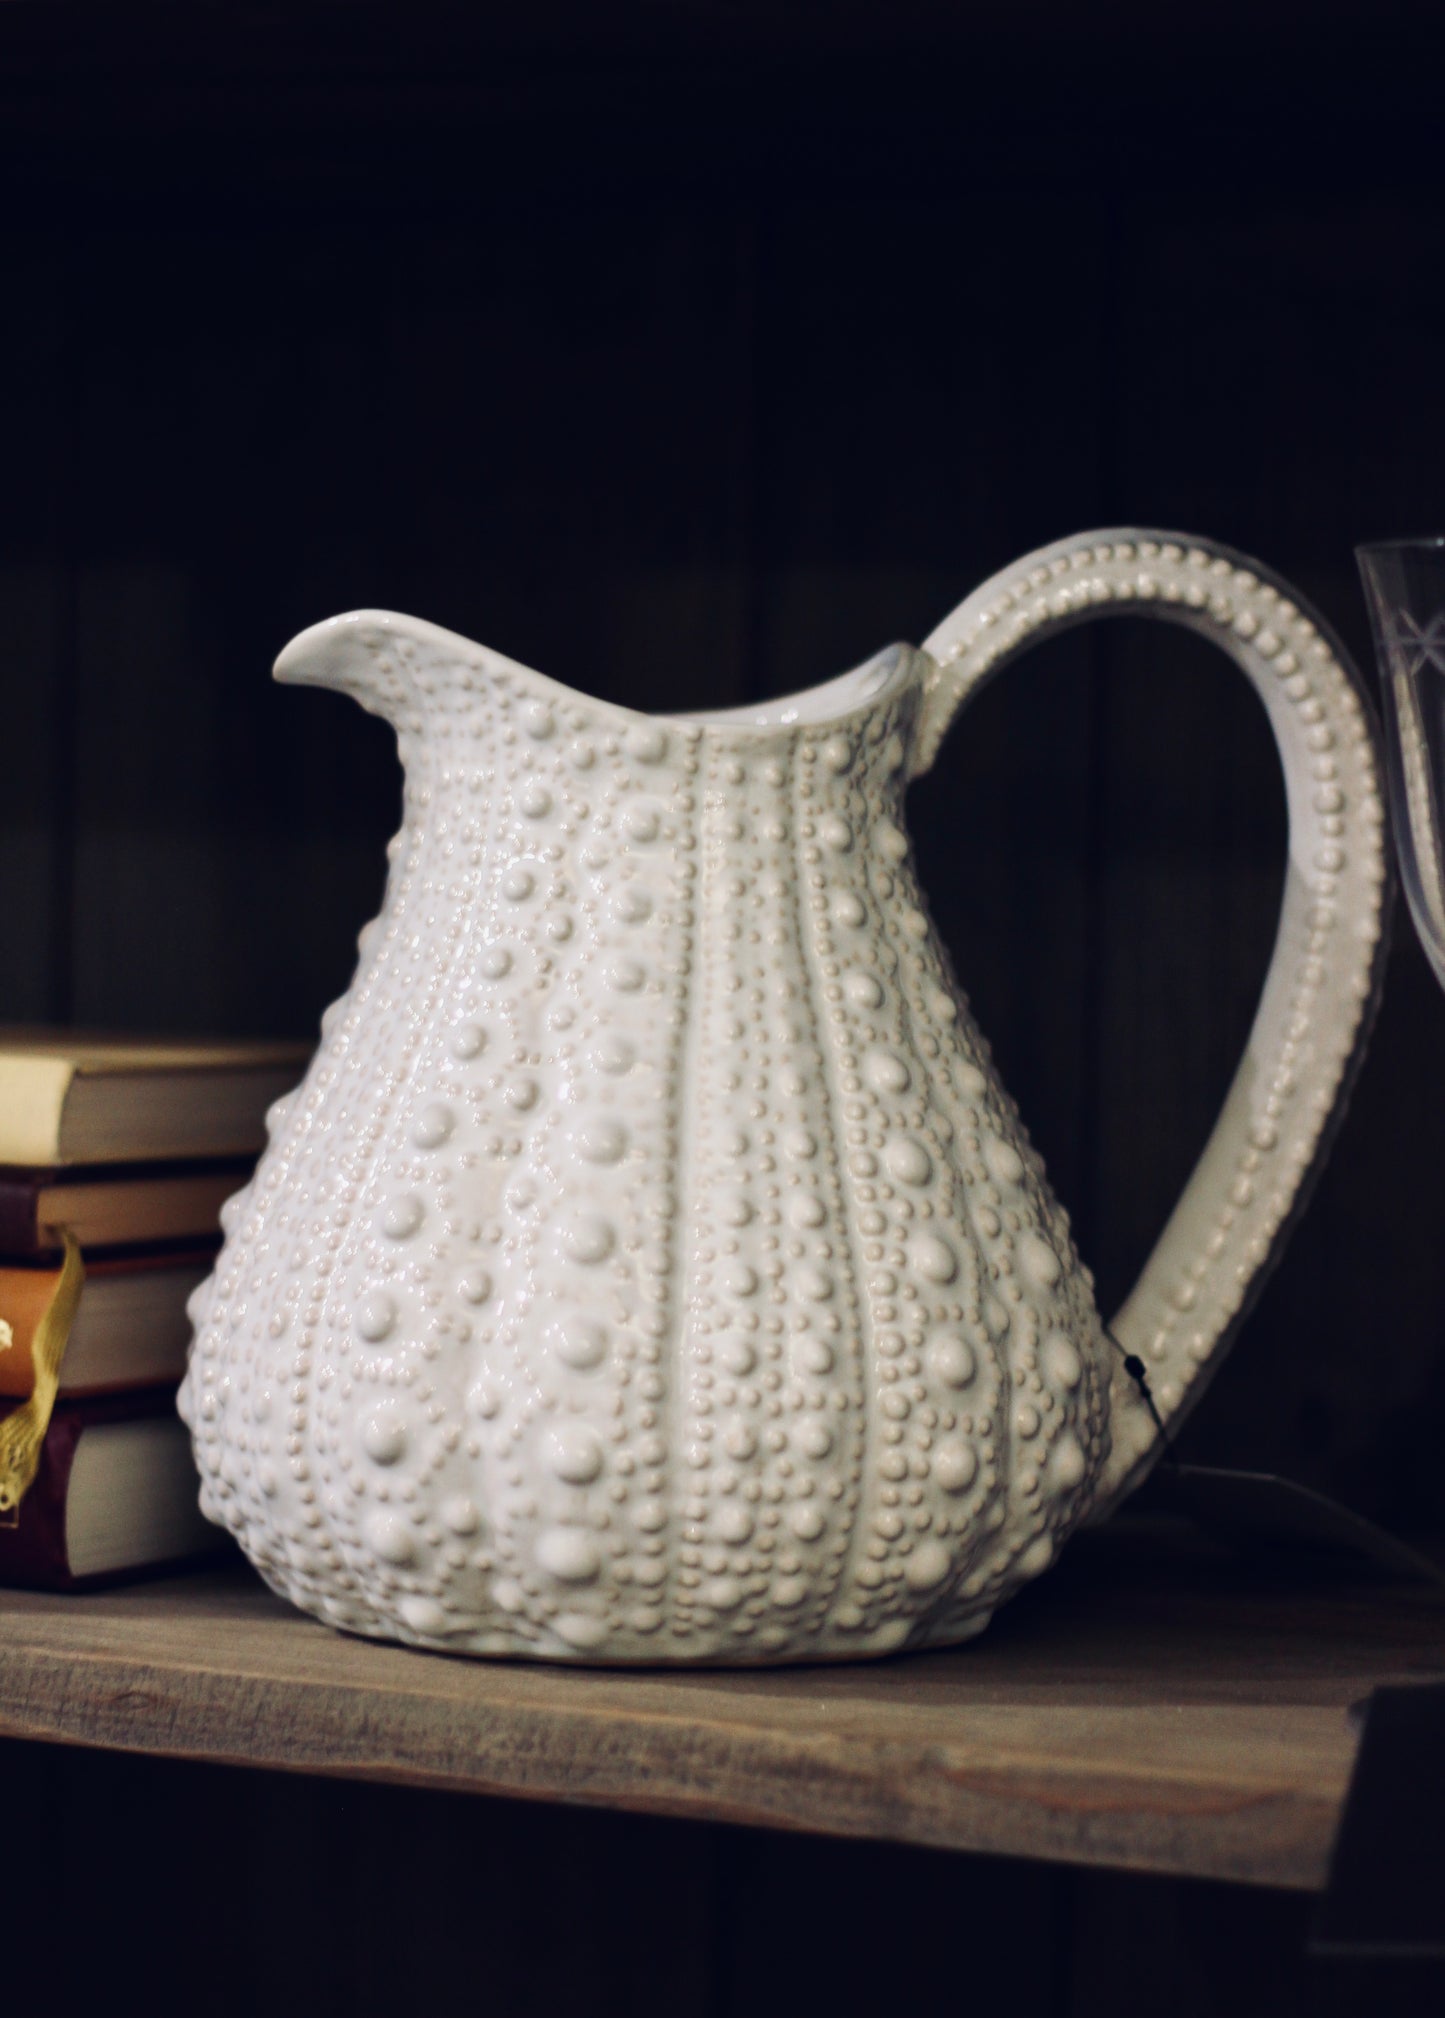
x: 1137, y: 1710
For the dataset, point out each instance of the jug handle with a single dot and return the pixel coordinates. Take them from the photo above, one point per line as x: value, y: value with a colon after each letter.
x: 1305, y: 1045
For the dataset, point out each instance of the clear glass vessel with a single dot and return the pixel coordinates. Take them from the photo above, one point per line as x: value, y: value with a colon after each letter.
x: 1405, y: 589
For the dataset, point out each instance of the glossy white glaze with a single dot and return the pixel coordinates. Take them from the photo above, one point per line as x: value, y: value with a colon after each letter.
x: 651, y: 1266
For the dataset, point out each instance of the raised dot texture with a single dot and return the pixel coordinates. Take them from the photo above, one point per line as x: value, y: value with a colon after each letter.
x: 580, y: 1342
x: 647, y: 742
x: 376, y: 1316
x: 1068, y: 1465
x: 908, y: 1161
x: 390, y: 1536
x: 641, y: 823
x: 926, y: 1567
x: 1005, y: 1165
x: 953, y: 1360
x: 574, y: 1453
x: 400, y: 1217
x: 433, y: 1125
x: 934, y: 1258
x: 423, y: 1614
x: 459, y: 1514
x: 615, y: 1055
x: 955, y: 1466
x: 569, y: 1554
x: 1039, y: 1261
x: 886, y: 1071
x: 383, y: 1434
x: 588, y: 1239
x: 584, y: 1630
x: 601, y: 1141
x: 1062, y: 1363
x: 650, y: 1266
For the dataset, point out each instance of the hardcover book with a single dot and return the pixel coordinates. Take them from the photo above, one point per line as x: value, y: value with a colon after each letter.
x: 67, y: 1097
x: 116, y: 1205
x: 115, y: 1493
x: 130, y: 1327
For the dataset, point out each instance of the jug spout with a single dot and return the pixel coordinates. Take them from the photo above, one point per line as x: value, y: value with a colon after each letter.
x: 368, y: 654
x: 409, y: 672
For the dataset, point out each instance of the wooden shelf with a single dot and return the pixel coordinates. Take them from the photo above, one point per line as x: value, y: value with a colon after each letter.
x: 1146, y: 1706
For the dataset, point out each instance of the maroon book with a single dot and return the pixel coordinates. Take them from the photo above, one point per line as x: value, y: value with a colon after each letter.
x: 115, y: 1206
x: 115, y: 1497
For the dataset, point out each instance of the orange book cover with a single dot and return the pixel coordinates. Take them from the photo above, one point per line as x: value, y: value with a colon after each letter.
x: 25, y: 1294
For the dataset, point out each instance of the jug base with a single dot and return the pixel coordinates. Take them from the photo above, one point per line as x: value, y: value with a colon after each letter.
x: 898, y: 1637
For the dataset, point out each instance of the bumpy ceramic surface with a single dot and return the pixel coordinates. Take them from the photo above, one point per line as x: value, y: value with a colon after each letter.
x: 651, y: 1266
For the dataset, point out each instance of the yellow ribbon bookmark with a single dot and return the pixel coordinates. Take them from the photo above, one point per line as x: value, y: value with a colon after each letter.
x: 22, y: 1432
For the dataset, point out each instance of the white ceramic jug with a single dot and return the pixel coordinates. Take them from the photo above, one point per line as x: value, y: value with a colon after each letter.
x: 650, y: 1266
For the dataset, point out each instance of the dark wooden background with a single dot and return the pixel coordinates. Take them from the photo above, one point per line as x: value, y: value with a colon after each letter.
x: 690, y: 353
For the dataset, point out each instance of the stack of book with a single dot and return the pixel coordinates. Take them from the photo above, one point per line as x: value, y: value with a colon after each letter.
x: 119, y: 1153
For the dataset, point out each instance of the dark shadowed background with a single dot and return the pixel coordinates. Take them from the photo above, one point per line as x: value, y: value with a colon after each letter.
x: 690, y: 353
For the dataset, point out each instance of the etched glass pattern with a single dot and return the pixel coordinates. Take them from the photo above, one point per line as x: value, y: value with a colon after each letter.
x: 1405, y: 588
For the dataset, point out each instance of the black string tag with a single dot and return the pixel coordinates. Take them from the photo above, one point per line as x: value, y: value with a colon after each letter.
x: 1139, y: 1374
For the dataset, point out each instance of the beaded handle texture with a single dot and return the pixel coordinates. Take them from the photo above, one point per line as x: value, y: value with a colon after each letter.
x: 1324, y: 975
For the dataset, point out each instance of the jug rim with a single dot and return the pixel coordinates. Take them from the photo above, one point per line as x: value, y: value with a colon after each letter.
x: 315, y: 655
x: 869, y: 680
